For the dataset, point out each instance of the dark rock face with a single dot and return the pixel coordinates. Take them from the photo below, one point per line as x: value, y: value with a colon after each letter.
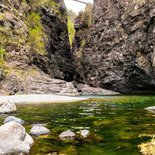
x: 119, y: 52
x: 59, y: 60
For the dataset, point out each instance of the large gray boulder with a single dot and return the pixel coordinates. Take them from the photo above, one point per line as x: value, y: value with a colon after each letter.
x: 13, y: 118
x: 14, y: 139
x: 8, y: 107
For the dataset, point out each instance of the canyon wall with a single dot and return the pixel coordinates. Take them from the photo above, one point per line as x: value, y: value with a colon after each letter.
x: 118, y: 50
x: 35, y: 54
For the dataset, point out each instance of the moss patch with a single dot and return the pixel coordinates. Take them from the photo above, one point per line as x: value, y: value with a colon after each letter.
x: 2, y: 52
x: 71, y: 31
x: 36, y: 33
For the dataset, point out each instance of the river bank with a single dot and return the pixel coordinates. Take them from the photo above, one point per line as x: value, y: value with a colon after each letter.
x: 35, y: 99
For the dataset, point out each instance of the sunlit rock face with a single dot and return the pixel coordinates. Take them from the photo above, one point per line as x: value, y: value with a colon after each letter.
x: 33, y: 39
x: 119, y: 51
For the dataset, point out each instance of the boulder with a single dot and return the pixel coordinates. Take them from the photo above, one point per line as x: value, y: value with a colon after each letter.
x: 152, y: 109
x: 14, y: 139
x: 67, y: 135
x: 39, y: 130
x: 84, y: 133
x: 13, y: 118
x: 147, y: 148
x: 8, y: 107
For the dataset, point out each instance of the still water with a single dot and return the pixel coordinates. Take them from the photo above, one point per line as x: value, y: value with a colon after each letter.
x: 118, y: 124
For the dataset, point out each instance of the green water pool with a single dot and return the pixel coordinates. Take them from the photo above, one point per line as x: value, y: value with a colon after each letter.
x: 118, y: 124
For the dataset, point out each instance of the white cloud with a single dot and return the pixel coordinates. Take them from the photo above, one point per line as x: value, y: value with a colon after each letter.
x: 75, y: 6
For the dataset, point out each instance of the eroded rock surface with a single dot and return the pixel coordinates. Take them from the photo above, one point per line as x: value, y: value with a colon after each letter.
x: 34, y: 36
x: 88, y: 90
x: 7, y: 107
x: 118, y: 50
x: 34, y: 81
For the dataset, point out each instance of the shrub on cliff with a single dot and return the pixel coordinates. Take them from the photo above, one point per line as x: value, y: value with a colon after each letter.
x: 36, y: 33
x: 86, y: 16
x: 71, y: 31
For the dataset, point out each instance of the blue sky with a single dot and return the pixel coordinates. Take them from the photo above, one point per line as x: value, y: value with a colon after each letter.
x: 76, y: 7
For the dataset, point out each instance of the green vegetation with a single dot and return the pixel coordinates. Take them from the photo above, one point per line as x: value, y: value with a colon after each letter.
x: 116, y: 124
x: 36, y: 33
x: 2, y: 52
x: 70, y: 24
x: 46, y: 3
x: 71, y: 31
x: 86, y: 16
x: 71, y: 15
x: 140, y: 1
x: 80, y: 49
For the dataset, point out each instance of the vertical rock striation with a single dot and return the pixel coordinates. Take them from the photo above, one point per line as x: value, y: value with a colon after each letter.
x: 59, y: 57
x: 119, y: 52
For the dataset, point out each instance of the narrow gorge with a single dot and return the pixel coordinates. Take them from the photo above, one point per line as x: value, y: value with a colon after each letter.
x: 77, y: 83
x: 113, y: 47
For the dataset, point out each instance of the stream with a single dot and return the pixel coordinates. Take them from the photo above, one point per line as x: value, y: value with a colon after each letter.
x: 117, y: 125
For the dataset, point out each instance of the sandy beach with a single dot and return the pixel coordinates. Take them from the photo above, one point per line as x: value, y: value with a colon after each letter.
x: 35, y: 99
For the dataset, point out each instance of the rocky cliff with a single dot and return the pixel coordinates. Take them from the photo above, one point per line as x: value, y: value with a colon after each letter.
x: 34, y: 47
x: 118, y: 51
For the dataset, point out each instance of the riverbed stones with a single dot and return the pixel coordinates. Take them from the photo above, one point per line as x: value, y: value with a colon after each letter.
x: 67, y: 135
x: 8, y: 107
x: 39, y: 130
x: 151, y: 109
x: 14, y: 139
x: 84, y: 133
x: 147, y: 148
x: 13, y: 118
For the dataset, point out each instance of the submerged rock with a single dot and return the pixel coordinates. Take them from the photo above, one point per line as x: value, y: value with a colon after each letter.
x: 84, y: 133
x: 13, y: 118
x: 67, y: 135
x: 14, y: 139
x: 152, y: 109
x: 147, y: 148
x: 8, y: 107
x: 39, y: 130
